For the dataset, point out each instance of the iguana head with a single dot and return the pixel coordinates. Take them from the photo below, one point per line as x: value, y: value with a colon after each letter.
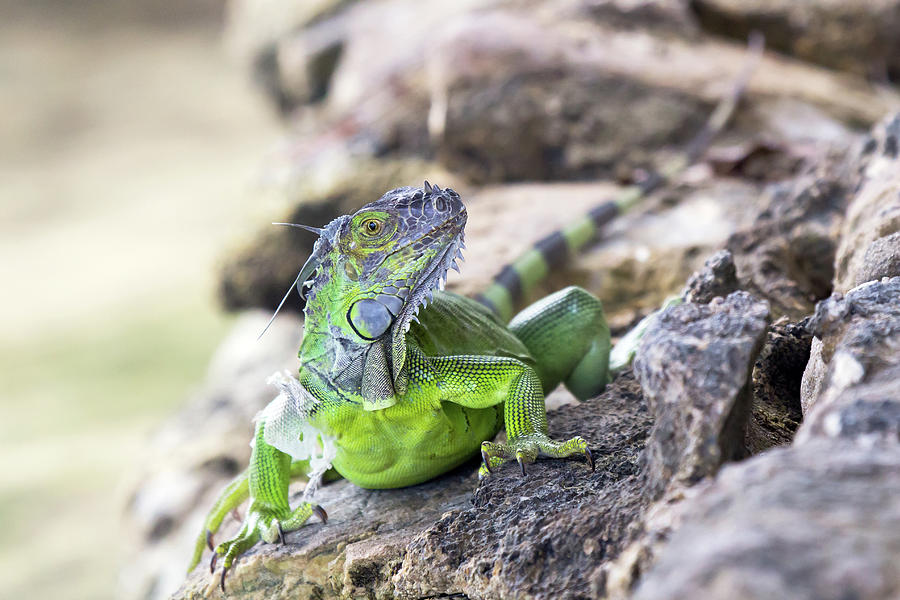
x: 371, y: 271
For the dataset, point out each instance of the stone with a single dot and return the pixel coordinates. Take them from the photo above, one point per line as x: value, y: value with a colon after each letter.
x: 858, y: 388
x: 870, y: 238
x: 717, y: 278
x: 787, y: 255
x: 776, y: 411
x: 694, y: 365
x: 855, y: 36
x: 815, y: 522
x: 438, y: 93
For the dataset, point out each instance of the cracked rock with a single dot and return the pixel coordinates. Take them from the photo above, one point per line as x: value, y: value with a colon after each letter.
x: 694, y: 365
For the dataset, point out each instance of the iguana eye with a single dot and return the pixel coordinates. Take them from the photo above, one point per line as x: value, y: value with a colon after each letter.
x: 372, y: 227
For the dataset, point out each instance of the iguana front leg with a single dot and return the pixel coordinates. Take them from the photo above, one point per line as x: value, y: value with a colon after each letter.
x: 269, y: 514
x: 484, y: 381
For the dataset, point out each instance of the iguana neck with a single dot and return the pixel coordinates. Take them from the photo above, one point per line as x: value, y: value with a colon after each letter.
x: 327, y: 332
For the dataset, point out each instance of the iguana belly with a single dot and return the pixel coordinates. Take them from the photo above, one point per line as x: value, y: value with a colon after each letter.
x: 397, y: 447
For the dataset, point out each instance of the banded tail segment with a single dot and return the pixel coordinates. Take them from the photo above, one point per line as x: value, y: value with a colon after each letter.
x: 516, y: 280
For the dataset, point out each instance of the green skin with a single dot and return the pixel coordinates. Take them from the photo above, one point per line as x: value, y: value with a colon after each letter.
x: 407, y: 401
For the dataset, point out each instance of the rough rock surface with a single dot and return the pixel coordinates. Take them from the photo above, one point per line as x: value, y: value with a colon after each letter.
x: 717, y: 278
x: 694, y: 365
x: 787, y: 255
x: 859, y: 37
x: 777, y: 377
x: 870, y: 240
x: 818, y: 522
x: 857, y: 394
x: 515, y: 538
x: 437, y: 93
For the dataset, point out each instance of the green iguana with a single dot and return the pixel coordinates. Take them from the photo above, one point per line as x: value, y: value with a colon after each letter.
x: 399, y: 381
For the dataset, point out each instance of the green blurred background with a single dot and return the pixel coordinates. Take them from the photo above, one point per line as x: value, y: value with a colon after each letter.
x: 129, y: 146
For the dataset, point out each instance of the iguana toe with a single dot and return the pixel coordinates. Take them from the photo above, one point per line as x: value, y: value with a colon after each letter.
x: 526, y: 449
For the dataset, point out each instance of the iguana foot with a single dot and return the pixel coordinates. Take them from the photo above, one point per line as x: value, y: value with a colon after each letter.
x: 264, y: 523
x: 526, y: 449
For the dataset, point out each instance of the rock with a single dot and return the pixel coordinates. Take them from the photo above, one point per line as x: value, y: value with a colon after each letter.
x: 813, y: 377
x: 665, y: 16
x: 191, y: 457
x: 870, y: 239
x: 787, y: 255
x: 694, y: 365
x: 777, y: 376
x: 718, y: 277
x: 517, y: 537
x: 253, y: 27
x: 775, y: 412
x: 858, y: 36
x: 858, y: 396
x: 821, y: 521
x: 439, y: 92
x: 818, y: 519
x: 882, y: 259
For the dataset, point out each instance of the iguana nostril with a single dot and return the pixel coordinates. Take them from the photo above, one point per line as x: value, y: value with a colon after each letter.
x: 440, y: 205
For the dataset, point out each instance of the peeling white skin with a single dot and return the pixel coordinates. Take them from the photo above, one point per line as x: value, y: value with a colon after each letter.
x: 288, y: 429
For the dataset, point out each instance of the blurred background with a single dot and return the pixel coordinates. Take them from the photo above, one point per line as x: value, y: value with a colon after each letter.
x: 128, y: 144
x: 145, y: 145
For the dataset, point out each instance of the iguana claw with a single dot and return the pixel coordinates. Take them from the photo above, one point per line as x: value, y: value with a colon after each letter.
x: 209, y: 540
x: 212, y: 562
x: 589, y: 457
x: 521, y: 464
x: 486, y: 458
x: 222, y: 581
x: 320, y: 512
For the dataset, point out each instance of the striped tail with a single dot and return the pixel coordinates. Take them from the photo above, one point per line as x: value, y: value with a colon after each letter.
x: 518, y: 279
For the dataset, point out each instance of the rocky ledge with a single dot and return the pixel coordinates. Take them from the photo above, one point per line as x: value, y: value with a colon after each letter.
x: 683, y: 503
x: 754, y: 450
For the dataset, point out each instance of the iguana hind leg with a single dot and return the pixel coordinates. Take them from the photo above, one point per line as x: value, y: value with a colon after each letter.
x: 567, y: 335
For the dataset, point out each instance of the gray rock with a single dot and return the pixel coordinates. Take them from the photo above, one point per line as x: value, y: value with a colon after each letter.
x: 813, y: 377
x: 776, y: 411
x: 694, y: 365
x: 817, y: 522
x: 718, y: 277
x: 787, y: 255
x: 870, y: 239
x: 859, y: 393
x: 539, y: 536
x: 882, y: 259
x: 857, y: 36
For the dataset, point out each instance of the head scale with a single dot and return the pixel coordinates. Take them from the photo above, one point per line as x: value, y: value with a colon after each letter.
x: 380, y: 264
